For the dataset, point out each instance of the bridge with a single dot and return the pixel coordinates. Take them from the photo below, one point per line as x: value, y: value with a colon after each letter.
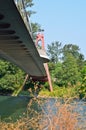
x: 16, y: 42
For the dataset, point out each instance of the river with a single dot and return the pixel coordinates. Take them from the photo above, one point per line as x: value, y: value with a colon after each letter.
x: 13, y: 108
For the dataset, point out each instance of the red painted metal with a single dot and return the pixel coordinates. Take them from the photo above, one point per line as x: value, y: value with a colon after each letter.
x: 40, y: 37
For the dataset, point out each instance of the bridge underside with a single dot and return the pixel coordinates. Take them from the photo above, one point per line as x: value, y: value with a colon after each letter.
x: 16, y: 44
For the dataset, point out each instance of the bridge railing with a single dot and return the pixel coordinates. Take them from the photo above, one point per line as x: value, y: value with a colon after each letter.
x: 21, y: 7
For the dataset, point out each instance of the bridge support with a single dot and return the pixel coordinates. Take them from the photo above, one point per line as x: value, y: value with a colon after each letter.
x: 40, y: 37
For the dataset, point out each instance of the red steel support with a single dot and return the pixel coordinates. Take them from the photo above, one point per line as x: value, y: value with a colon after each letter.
x: 40, y: 37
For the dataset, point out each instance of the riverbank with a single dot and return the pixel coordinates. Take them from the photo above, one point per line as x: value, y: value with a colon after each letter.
x: 64, y: 92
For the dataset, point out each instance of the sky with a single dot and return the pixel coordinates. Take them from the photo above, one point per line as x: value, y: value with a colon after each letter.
x: 62, y: 20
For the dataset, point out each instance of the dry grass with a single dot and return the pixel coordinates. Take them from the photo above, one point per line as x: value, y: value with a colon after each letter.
x: 63, y: 119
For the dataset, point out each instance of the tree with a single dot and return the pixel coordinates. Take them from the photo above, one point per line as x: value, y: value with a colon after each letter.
x: 70, y: 70
x: 81, y: 90
x: 66, y: 71
x: 80, y: 62
x: 71, y: 48
x: 11, y: 77
x: 57, y: 74
x: 54, y: 51
x: 75, y: 51
x: 35, y: 28
x: 24, y: 5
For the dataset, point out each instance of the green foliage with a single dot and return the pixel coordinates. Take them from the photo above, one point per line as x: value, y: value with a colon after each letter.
x: 23, y: 5
x: 54, y: 51
x: 71, y: 49
x: 70, y: 70
x: 28, y: 3
x: 61, y: 92
x: 68, y: 62
x: 35, y: 28
x: 82, y: 88
x: 32, y: 87
x: 11, y: 77
x: 80, y: 62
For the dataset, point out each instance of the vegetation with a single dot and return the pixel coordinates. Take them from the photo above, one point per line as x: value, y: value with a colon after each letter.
x: 68, y: 71
x: 11, y: 77
x: 67, y: 68
x: 39, y: 117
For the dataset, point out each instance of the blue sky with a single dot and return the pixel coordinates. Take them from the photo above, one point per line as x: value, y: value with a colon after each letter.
x: 62, y: 20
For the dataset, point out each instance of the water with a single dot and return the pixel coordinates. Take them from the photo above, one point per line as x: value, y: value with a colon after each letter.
x: 13, y: 107
x: 81, y: 109
x: 16, y: 107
